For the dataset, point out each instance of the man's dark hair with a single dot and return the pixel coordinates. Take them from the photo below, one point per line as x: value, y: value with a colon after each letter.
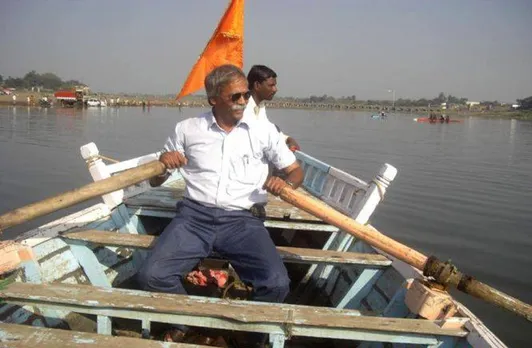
x: 259, y: 73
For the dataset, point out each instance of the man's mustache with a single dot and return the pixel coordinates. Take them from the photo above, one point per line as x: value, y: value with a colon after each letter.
x: 236, y: 107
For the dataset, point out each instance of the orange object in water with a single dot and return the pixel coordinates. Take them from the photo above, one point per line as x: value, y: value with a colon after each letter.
x: 226, y: 46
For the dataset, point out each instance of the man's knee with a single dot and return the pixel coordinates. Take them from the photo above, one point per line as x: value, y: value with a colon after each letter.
x: 151, y: 277
x: 273, y: 289
x: 144, y: 276
x: 283, y: 287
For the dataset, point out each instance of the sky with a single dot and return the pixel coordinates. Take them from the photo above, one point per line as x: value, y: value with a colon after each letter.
x: 478, y: 49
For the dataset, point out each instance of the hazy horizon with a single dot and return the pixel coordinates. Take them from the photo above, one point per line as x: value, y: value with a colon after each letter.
x: 475, y: 49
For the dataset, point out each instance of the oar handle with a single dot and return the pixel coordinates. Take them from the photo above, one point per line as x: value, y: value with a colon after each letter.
x: 119, y: 181
x: 444, y: 273
x: 345, y: 223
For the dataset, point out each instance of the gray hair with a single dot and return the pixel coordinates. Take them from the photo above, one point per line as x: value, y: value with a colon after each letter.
x: 221, y: 76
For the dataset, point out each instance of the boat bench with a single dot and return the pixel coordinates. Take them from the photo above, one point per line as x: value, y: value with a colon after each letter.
x: 80, y: 245
x: 15, y: 335
x: 288, y: 254
x: 280, y: 321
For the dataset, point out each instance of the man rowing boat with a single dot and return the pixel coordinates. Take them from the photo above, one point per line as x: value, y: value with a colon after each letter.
x: 221, y: 155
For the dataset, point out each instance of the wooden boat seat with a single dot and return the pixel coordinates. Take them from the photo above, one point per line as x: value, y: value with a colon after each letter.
x: 289, y: 254
x: 164, y: 198
x: 31, y: 336
x: 280, y: 320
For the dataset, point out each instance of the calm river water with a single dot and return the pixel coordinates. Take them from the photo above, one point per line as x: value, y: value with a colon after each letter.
x: 463, y: 191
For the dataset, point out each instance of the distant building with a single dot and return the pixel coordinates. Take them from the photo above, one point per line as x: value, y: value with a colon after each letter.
x: 472, y: 103
x: 515, y: 106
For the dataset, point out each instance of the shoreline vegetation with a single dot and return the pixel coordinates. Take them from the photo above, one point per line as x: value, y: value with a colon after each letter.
x: 29, y: 94
x: 460, y: 111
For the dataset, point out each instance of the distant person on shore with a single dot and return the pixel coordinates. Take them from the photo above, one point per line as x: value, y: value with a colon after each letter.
x: 14, y: 97
x: 262, y: 83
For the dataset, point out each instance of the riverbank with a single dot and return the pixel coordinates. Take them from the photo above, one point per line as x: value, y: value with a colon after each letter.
x: 199, y: 101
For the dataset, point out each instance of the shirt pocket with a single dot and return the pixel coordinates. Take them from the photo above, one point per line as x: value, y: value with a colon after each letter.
x: 246, y: 169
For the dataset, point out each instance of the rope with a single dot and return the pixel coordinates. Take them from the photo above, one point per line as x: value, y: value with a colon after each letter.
x: 225, y: 293
x: 380, y: 188
x: 108, y: 158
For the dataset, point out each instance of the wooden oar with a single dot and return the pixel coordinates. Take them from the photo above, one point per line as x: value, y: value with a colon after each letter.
x: 444, y: 273
x: 126, y: 178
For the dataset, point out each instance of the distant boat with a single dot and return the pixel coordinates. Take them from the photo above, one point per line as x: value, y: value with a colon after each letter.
x: 437, y: 120
x: 96, y: 102
x: 45, y: 103
x: 379, y: 116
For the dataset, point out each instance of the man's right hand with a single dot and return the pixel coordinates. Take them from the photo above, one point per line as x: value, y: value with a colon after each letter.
x: 173, y: 159
x: 292, y: 144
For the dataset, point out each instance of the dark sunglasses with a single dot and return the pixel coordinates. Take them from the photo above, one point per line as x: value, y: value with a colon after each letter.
x: 236, y: 97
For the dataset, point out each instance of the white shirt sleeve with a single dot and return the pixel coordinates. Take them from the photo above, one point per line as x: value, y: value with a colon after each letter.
x: 277, y: 152
x: 283, y: 136
x: 176, y: 142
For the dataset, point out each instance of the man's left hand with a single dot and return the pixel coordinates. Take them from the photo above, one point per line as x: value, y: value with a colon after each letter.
x: 274, y: 185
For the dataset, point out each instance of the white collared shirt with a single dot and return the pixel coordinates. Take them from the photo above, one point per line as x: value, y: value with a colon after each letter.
x: 227, y: 170
x: 259, y: 113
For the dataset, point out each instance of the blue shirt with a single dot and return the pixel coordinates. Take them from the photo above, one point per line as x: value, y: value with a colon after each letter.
x: 226, y: 170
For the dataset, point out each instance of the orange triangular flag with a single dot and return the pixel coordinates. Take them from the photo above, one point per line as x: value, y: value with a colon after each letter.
x: 226, y: 46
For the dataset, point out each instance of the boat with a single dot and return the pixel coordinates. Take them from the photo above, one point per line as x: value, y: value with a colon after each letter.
x: 381, y: 116
x: 92, y: 102
x: 96, y: 102
x: 45, y: 103
x: 428, y: 120
x: 77, y: 272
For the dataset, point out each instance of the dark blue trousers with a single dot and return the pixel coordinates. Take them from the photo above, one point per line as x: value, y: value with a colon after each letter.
x: 238, y: 236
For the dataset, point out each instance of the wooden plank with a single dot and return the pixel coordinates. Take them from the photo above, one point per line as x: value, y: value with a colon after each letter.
x: 376, y: 301
x: 359, y: 289
x: 165, y: 198
x: 316, y: 173
x: 331, y: 257
x: 15, y: 336
x: 284, y: 224
x: 289, y: 254
x: 390, y: 282
x: 69, y: 222
x: 113, y: 300
x: 58, y: 265
x: 90, y: 264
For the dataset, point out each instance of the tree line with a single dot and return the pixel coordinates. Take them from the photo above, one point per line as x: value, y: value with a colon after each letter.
x: 525, y: 104
x: 51, y: 81
x: 441, y: 98
x: 32, y: 79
